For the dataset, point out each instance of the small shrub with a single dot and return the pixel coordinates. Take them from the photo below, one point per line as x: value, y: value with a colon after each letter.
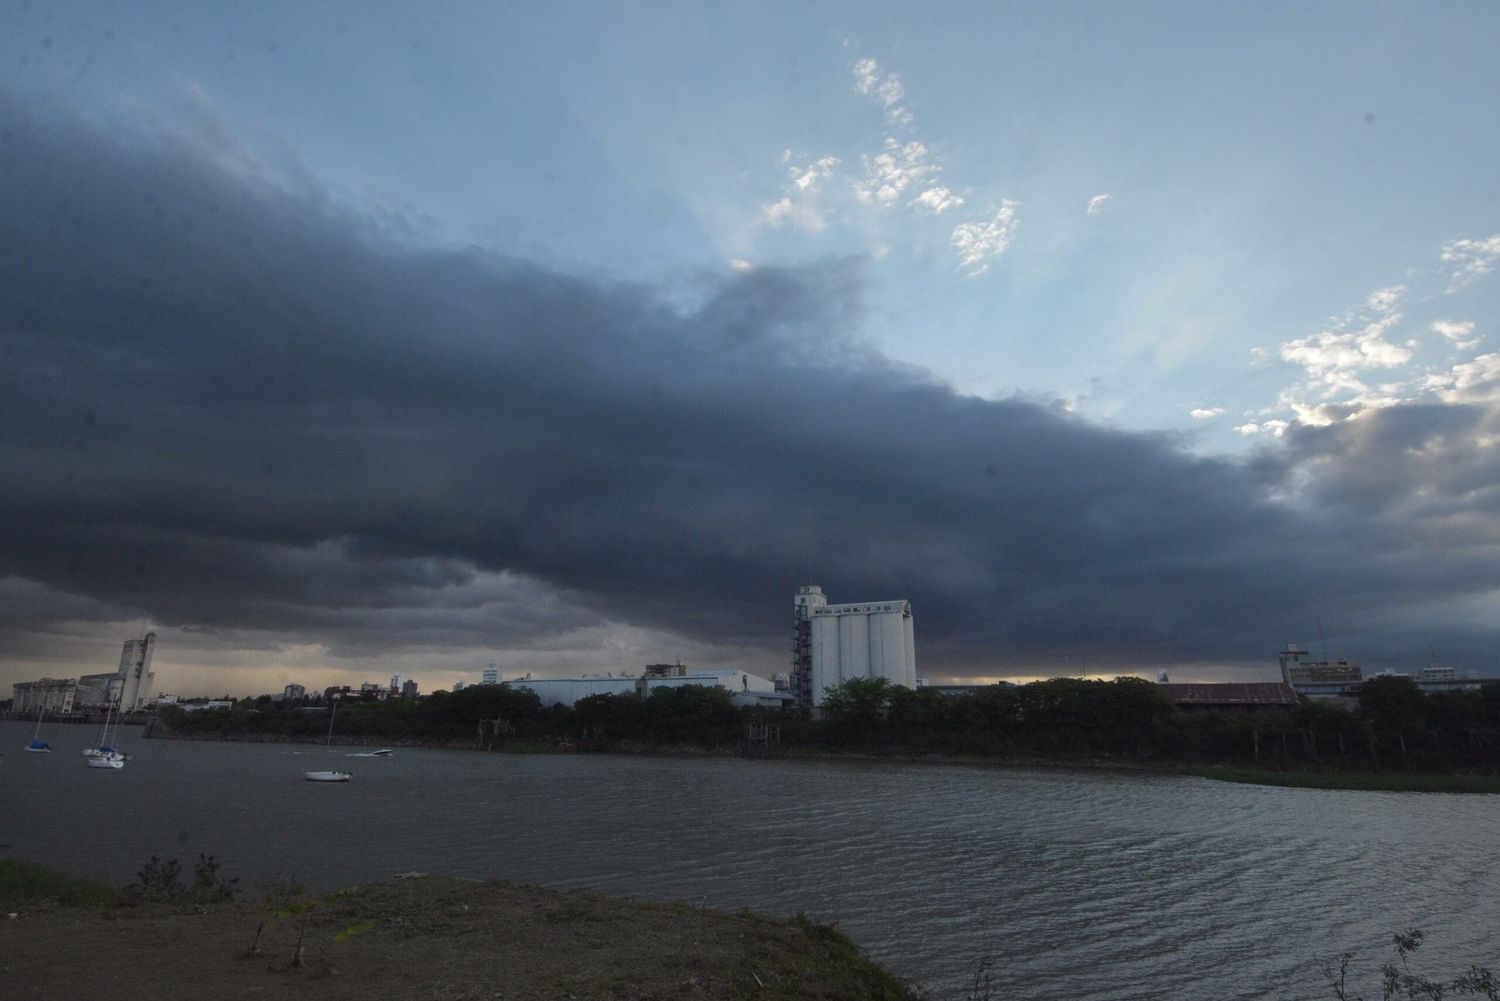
x: 208, y: 886
x: 158, y: 882
x: 1398, y: 981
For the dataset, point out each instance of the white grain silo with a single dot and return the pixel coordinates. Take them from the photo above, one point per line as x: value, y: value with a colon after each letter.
x: 834, y: 643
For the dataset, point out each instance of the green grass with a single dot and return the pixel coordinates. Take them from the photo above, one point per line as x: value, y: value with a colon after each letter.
x: 29, y: 883
x: 834, y: 959
x: 1371, y: 781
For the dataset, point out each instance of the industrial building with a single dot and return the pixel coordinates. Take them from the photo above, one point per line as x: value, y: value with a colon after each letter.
x: 49, y: 695
x: 1340, y: 680
x: 832, y: 644
x: 1319, y: 677
x: 129, y: 687
x: 99, y: 689
x: 747, y: 689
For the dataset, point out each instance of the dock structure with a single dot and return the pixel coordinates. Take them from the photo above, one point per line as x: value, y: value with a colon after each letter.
x: 762, y: 740
x: 493, y: 731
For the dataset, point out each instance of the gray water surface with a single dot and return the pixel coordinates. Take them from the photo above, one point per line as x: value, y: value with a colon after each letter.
x: 1079, y: 885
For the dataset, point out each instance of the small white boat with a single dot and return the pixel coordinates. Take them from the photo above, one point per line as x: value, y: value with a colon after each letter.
x: 327, y: 776
x: 112, y: 759
x: 384, y: 752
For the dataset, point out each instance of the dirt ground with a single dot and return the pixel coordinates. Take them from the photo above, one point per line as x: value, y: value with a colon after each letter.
x: 429, y: 938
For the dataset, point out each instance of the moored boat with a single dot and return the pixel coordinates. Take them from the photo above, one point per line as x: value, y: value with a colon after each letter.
x: 38, y: 745
x: 327, y: 776
x: 102, y: 755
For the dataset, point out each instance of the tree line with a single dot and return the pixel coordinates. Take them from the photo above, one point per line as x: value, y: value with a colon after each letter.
x: 1394, y: 725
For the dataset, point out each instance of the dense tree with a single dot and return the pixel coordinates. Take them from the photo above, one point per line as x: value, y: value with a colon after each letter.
x: 1057, y: 718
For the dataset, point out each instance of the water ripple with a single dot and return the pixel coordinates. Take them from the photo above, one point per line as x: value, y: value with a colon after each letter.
x: 1084, y: 885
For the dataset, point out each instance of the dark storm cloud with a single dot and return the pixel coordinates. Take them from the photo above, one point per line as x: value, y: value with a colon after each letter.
x: 231, y: 404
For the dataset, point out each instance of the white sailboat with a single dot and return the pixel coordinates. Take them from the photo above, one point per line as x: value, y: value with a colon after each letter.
x: 104, y: 756
x: 329, y: 775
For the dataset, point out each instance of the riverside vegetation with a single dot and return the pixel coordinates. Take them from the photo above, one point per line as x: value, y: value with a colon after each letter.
x: 1395, y: 733
x: 412, y: 938
x: 425, y: 937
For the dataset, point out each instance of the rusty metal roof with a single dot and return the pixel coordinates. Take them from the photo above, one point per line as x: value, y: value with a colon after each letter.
x: 1233, y: 693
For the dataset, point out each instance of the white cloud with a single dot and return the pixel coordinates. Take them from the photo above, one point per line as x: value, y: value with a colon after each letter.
x: 1332, y: 356
x: 890, y: 173
x: 980, y: 243
x: 1476, y: 381
x: 937, y: 200
x: 886, y: 89
x: 1339, y: 360
x: 1205, y: 413
x: 740, y: 265
x: 891, y: 91
x: 1096, y: 204
x: 866, y: 75
x: 1457, y: 333
x: 1383, y: 300
x: 1469, y: 260
x: 1274, y: 428
x: 799, y: 205
x: 1317, y: 415
x: 781, y: 212
x: 807, y: 177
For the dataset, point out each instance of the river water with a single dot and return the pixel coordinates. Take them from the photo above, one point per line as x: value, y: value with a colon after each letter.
x: 1075, y: 884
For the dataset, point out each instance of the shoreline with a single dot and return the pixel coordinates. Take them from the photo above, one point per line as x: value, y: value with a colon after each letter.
x: 1420, y: 782
x: 1389, y: 781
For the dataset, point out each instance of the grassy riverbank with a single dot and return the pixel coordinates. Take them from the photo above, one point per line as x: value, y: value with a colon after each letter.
x: 414, y: 938
x: 1366, y: 781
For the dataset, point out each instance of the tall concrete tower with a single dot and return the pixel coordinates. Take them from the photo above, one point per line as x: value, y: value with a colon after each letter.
x: 136, y: 676
x: 809, y: 599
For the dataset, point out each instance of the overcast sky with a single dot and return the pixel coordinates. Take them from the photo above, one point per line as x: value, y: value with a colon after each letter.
x: 338, y: 342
